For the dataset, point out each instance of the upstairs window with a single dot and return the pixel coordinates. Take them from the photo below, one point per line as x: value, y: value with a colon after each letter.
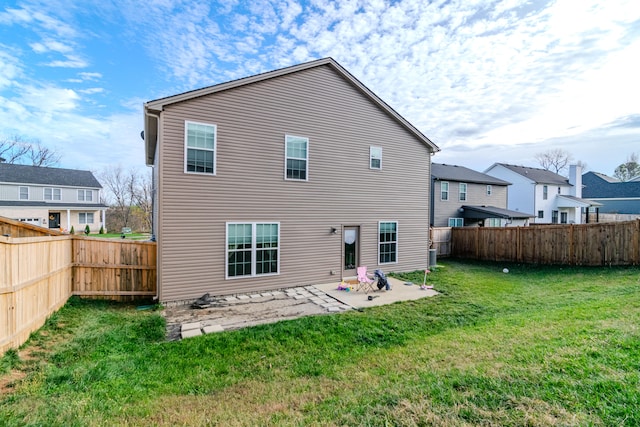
x: 52, y: 194
x: 85, y: 195
x: 444, y: 190
x: 489, y: 190
x: 462, y: 192
x: 296, y: 157
x: 375, y: 157
x: 545, y: 192
x: 24, y: 193
x: 200, y: 148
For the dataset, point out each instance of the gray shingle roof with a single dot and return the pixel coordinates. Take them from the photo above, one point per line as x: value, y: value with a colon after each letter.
x: 492, y: 212
x: 597, y: 186
x: 23, y: 174
x: 443, y: 172
x: 539, y: 176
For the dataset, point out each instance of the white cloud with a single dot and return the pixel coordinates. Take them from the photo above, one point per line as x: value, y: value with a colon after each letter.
x: 70, y: 61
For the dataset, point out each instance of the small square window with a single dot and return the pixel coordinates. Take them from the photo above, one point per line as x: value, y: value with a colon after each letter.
x: 540, y: 214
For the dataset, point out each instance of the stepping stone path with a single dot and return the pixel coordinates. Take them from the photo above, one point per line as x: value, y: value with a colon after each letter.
x: 237, y: 311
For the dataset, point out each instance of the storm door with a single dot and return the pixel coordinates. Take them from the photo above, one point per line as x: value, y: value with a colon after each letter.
x: 351, y: 250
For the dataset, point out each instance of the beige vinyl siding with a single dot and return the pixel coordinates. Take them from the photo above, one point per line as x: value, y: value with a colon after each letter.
x: 341, y: 190
x: 476, y: 196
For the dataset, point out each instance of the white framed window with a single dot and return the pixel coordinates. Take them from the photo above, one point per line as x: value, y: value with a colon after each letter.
x: 200, y: 148
x: 296, y: 158
x: 52, y: 194
x: 489, y: 190
x: 462, y: 192
x: 545, y: 192
x: 375, y: 157
x: 563, y: 217
x: 540, y: 214
x: 24, y: 193
x: 494, y: 222
x: 444, y: 190
x: 387, y: 242
x: 456, y: 222
x: 253, y: 249
x: 85, y: 218
x: 85, y: 195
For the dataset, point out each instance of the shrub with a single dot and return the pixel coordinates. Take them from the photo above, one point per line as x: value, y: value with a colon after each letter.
x: 87, y: 230
x: 72, y: 231
x: 101, y: 230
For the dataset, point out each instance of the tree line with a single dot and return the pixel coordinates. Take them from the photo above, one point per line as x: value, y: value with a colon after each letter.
x: 558, y: 161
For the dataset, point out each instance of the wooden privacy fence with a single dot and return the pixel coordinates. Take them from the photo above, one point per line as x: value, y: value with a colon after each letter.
x: 441, y: 240
x: 114, y: 269
x: 583, y: 244
x: 39, y: 274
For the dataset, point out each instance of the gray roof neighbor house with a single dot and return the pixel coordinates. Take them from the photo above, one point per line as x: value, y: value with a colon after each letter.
x: 614, y: 195
x: 51, y: 197
x: 463, y: 197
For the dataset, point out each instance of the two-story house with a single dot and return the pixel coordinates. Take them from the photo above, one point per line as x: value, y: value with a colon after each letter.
x: 553, y: 198
x: 464, y: 197
x: 51, y: 197
x: 615, y: 196
x: 286, y: 178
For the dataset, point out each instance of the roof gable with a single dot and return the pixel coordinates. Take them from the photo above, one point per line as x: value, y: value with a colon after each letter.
x: 596, y: 185
x: 23, y: 174
x: 445, y: 172
x: 154, y: 108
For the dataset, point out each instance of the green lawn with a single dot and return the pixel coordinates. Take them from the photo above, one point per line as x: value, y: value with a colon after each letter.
x: 537, y: 346
x: 130, y: 236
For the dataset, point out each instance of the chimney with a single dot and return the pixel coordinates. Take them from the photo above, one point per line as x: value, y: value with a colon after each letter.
x: 575, y: 179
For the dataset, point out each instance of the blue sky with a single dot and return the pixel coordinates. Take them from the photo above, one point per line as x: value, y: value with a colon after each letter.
x: 487, y: 80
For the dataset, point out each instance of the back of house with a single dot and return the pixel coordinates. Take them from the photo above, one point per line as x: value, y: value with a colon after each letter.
x: 287, y: 178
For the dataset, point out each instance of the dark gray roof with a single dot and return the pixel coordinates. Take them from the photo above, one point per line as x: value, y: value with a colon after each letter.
x: 481, y: 212
x: 539, y: 176
x: 23, y: 174
x: 596, y: 185
x: 444, y: 172
x: 60, y: 205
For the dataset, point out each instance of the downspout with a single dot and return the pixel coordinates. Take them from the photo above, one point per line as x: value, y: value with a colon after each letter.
x: 68, y: 219
x: 154, y: 234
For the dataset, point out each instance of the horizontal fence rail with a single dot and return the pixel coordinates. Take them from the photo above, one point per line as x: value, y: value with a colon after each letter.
x: 571, y: 244
x: 40, y: 270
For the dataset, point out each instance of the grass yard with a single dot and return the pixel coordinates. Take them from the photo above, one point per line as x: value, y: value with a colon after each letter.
x: 129, y: 236
x: 537, y: 346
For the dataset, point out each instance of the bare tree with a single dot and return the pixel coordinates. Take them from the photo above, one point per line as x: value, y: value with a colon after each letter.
x: 628, y: 170
x: 12, y: 149
x: 556, y: 160
x: 42, y: 156
x: 129, y: 195
x: 19, y: 150
x: 120, y: 191
x: 144, y: 200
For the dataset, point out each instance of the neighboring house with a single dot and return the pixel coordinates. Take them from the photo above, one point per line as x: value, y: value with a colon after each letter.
x: 286, y: 178
x: 553, y: 198
x: 51, y: 197
x: 615, y: 196
x: 464, y: 197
